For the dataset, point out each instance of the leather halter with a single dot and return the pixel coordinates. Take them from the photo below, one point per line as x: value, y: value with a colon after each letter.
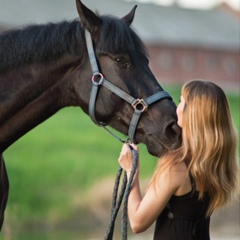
x: 139, y: 105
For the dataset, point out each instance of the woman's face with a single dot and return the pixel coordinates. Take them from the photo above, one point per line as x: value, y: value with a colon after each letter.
x: 180, y: 108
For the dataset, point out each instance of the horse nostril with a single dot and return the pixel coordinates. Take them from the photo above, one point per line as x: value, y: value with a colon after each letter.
x: 173, y: 132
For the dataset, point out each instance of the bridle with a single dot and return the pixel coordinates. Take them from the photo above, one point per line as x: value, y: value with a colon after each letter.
x: 139, y: 105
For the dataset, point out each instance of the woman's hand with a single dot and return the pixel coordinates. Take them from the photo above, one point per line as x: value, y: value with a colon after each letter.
x: 126, y: 158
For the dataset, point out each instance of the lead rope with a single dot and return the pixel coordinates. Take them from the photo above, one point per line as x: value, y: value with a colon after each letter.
x: 123, y: 196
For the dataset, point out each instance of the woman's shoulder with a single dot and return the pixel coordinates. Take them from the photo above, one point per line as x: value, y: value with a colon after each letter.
x: 179, y: 167
x: 178, y: 176
x: 176, y: 173
x: 169, y: 165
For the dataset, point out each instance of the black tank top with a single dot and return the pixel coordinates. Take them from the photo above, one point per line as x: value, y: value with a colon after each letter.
x: 184, y: 219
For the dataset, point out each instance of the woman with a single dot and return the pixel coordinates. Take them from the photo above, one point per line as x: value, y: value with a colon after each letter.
x: 189, y: 183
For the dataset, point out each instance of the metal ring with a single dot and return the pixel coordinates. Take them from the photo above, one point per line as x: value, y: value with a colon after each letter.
x: 97, y: 78
x: 139, y: 105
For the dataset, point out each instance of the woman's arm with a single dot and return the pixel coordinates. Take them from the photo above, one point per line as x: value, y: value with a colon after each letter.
x: 143, y: 211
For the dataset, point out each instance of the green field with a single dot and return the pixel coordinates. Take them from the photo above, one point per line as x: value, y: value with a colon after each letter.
x: 52, y: 166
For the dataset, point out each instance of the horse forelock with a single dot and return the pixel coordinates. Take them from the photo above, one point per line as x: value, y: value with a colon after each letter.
x: 117, y: 37
x: 39, y: 43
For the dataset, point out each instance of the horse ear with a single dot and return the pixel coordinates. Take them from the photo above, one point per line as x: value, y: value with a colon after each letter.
x: 130, y: 16
x: 88, y: 18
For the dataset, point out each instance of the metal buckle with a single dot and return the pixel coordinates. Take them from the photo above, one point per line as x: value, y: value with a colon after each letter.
x: 140, y: 105
x: 97, y: 78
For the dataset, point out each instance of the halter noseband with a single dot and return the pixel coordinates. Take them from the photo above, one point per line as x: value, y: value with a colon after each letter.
x: 139, y: 105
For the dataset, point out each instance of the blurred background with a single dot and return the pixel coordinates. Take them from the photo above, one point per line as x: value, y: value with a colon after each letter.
x: 62, y: 172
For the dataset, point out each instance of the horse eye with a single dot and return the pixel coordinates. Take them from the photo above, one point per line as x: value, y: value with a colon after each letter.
x: 122, y: 62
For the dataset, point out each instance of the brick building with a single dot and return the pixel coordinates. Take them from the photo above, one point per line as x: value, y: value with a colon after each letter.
x: 190, y: 43
x: 183, y: 43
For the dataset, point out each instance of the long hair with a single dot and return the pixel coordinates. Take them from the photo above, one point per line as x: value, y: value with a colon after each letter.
x: 209, y: 143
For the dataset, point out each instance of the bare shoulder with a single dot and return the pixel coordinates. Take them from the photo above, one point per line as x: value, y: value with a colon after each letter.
x: 180, y: 175
x: 177, y: 178
x: 176, y: 169
x: 178, y: 172
x: 173, y: 174
x: 179, y: 167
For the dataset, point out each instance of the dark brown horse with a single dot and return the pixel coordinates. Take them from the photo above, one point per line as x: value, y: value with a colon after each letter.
x: 44, y: 68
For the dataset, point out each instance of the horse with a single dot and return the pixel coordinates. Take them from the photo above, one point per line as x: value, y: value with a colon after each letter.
x: 46, y: 67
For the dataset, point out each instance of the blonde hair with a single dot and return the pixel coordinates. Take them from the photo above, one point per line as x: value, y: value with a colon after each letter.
x: 209, y: 143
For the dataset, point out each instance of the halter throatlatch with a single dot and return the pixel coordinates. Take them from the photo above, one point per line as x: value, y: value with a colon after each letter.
x: 139, y: 105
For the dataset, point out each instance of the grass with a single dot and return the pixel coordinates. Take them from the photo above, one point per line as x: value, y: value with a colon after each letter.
x: 63, y: 156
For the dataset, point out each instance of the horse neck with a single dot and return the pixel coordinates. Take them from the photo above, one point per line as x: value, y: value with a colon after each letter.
x: 31, y: 93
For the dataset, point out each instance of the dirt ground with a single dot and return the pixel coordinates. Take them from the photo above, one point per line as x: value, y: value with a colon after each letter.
x: 226, y: 223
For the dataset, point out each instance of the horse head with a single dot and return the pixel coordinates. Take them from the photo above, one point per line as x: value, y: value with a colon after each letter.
x: 47, y: 67
x: 122, y: 59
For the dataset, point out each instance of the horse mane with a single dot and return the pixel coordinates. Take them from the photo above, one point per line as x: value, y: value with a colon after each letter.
x: 45, y: 42
x: 39, y: 43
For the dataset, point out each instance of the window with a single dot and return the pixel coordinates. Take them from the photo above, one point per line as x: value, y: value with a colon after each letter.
x: 166, y: 60
x: 230, y: 66
x: 188, y: 62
